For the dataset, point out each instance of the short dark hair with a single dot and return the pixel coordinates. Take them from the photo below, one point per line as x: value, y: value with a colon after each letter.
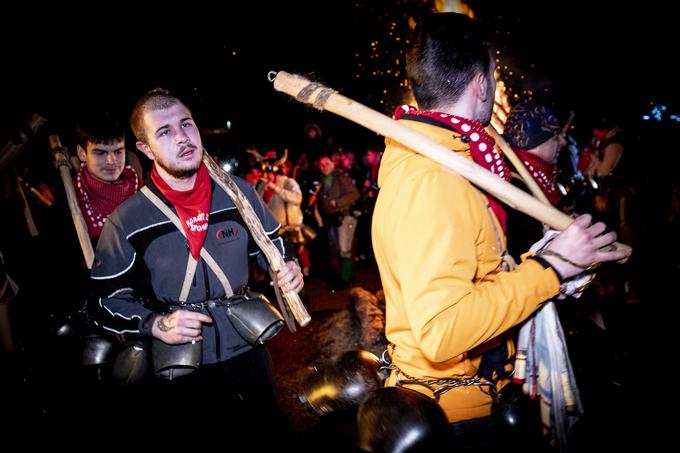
x: 99, y: 127
x: 446, y: 51
x: 156, y: 99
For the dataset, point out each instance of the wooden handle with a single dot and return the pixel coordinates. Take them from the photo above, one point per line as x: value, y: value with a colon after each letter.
x: 74, y: 207
x: 326, y: 99
x: 270, y: 251
x: 518, y: 164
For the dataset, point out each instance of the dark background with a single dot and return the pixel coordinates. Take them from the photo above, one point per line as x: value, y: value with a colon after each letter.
x: 598, y: 58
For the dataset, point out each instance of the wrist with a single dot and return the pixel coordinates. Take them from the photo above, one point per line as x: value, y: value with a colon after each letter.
x: 147, y: 328
x: 547, y: 265
x: 563, y: 265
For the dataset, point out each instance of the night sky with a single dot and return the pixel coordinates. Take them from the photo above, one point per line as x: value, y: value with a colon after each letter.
x: 589, y: 56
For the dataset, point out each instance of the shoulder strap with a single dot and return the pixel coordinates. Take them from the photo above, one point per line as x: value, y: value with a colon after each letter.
x: 507, y: 261
x: 191, y: 264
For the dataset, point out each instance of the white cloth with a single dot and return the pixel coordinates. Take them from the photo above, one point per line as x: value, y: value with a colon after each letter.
x: 543, y: 366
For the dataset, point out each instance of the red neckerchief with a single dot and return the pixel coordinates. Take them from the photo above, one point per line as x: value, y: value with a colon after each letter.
x: 98, y: 199
x: 544, y: 174
x: 193, y: 206
x: 481, y: 146
x: 600, y: 134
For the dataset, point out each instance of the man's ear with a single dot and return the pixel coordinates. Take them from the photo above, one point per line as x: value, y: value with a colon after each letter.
x: 479, y: 86
x: 82, y: 154
x: 143, y: 147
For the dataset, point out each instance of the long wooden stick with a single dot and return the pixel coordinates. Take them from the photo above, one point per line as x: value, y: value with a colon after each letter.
x: 324, y: 98
x: 74, y: 207
x: 270, y: 251
x: 518, y: 164
x: 30, y: 223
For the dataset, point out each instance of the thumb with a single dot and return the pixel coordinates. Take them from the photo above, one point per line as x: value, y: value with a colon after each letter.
x: 204, y: 318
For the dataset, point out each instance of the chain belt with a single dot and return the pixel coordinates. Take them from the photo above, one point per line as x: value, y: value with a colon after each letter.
x: 437, y: 386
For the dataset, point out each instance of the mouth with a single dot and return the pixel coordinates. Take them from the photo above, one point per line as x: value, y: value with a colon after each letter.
x: 187, y: 152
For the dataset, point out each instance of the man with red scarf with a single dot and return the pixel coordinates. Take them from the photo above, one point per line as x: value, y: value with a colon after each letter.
x: 439, y: 241
x: 536, y: 135
x: 153, y: 279
x: 104, y: 179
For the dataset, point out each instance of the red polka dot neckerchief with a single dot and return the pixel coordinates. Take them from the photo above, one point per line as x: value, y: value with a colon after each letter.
x: 471, y: 132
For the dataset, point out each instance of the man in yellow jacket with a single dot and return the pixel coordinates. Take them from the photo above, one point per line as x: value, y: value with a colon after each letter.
x: 439, y: 241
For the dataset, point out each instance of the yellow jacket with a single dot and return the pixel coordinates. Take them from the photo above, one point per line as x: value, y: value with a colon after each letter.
x: 446, y: 300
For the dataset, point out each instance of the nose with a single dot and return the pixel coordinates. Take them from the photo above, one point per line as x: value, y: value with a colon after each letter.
x: 181, y: 137
x: 111, y: 159
x: 563, y: 140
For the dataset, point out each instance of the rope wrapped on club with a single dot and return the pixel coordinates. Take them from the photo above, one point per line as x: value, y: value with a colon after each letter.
x: 324, y: 98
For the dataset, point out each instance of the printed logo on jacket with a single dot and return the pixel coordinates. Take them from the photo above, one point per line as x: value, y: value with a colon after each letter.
x: 228, y: 233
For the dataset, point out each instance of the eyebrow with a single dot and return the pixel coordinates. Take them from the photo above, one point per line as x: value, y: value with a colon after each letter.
x: 166, y: 126
x: 102, y: 150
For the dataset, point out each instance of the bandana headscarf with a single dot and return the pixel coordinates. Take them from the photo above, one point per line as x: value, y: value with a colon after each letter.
x: 481, y: 145
x: 98, y: 199
x: 530, y: 124
x: 193, y: 206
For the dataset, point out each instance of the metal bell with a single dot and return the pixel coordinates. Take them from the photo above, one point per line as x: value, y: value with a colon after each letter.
x: 343, y: 382
x: 397, y: 419
x: 132, y: 364
x: 97, y: 350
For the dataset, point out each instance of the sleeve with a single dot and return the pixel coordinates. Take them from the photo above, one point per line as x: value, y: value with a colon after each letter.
x: 290, y: 192
x: 350, y: 193
x: 114, y: 304
x: 450, y: 311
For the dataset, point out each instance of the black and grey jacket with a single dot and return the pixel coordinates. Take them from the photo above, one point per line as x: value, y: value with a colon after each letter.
x: 140, y: 264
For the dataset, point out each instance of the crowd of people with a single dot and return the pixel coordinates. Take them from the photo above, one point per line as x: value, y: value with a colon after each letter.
x: 327, y: 194
x: 463, y: 273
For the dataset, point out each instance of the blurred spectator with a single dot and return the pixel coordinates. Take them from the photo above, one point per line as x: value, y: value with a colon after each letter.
x: 336, y: 199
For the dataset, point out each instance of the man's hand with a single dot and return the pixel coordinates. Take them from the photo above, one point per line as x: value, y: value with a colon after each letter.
x: 290, y: 277
x: 581, y: 245
x: 179, y: 327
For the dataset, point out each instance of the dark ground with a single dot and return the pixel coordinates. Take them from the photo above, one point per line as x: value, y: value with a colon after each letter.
x: 45, y: 387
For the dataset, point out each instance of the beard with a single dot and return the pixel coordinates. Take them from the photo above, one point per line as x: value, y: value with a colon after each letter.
x: 179, y: 172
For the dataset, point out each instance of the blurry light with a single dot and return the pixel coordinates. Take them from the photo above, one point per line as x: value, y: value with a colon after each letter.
x: 226, y: 167
x: 229, y: 125
x: 562, y: 189
x: 658, y: 111
x: 593, y: 183
x: 646, y: 117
